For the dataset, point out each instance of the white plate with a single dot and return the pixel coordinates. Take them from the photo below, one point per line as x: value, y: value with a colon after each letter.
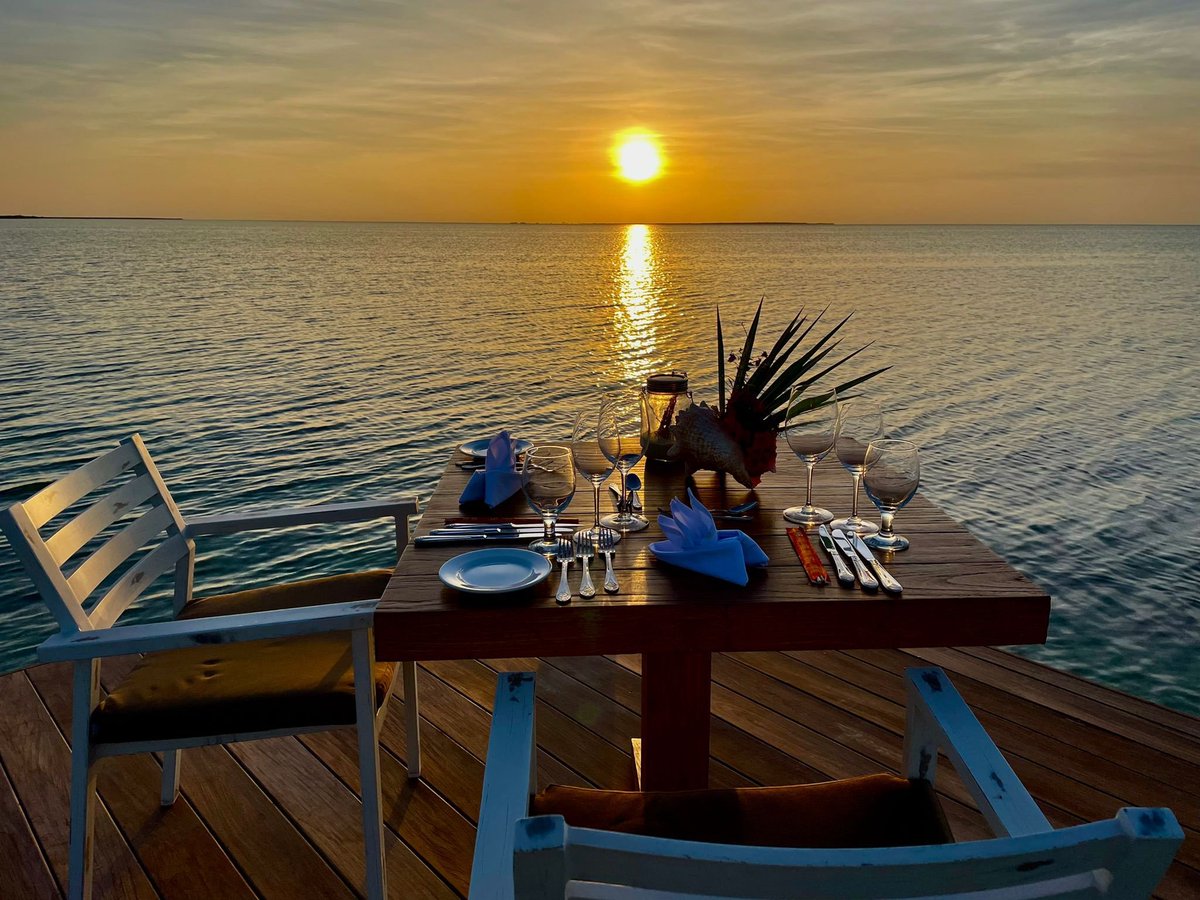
x: 479, y: 448
x: 495, y: 570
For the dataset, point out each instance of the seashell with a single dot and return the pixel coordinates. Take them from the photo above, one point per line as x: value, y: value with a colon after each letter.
x: 703, y: 443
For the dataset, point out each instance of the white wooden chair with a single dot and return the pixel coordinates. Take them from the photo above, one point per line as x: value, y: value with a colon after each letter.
x: 248, y: 665
x: 542, y: 857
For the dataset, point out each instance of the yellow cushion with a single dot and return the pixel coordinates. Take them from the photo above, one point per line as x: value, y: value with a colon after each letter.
x: 256, y: 686
x: 871, y: 811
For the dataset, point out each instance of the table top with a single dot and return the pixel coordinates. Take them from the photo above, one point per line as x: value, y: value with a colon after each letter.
x: 957, y: 592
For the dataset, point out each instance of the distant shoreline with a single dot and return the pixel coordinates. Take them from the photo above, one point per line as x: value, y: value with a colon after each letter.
x: 105, y: 218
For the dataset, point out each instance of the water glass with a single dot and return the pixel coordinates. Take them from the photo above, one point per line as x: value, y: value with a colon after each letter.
x: 592, y: 464
x: 623, y: 429
x: 893, y: 474
x: 548, y: 480
x: 861, y: 423
x: 811, y: 433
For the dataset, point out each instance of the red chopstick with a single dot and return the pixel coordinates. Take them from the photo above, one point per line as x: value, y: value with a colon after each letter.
x: 808, y: 557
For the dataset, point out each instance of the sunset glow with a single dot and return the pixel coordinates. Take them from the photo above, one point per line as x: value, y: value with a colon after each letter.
x: 638, y: 157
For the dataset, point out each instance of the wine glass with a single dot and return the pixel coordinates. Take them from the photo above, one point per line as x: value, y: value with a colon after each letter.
x: 811, y: 433
x: 624, y: 431
x: 548, y: 479
x: 893, y: 473
x: 861, y: 423
x: 591, y: 464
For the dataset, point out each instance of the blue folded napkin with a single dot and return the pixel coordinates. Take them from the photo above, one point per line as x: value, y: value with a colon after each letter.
x: 499, y: 479
x: 694, y: 542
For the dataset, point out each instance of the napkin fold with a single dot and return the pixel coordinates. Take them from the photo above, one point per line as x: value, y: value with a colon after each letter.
x: 499, y: 478
x: 694, y: 542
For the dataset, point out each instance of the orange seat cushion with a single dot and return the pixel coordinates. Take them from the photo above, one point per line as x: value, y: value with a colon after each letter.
x: 871, y: 811
x: 219, y: 689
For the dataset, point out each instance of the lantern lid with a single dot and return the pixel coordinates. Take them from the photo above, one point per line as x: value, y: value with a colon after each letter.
x: 667, y: 383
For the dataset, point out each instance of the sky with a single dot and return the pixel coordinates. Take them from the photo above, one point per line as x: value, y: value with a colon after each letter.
x: 873, y: 111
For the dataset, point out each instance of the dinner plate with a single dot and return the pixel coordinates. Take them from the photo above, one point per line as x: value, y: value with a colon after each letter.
x: 479, y: 448
x: 495, y: 570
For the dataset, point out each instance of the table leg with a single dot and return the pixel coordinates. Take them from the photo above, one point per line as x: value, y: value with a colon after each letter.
x: 675, y: 717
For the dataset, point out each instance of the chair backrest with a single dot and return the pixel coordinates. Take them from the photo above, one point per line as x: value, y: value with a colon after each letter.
x: 1123, y: 857
x: 67, y: 585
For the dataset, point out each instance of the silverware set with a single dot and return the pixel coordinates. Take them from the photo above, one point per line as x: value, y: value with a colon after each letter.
x: 482, y: 533
x: 868, y: 571
x: 581, y: 550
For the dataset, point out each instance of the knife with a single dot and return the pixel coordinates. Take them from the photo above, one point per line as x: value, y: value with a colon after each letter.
x: 458, y: 527
x: 472, y: 537
x: 865, y: 578
x: 844, y: 575
x: 886, y: 581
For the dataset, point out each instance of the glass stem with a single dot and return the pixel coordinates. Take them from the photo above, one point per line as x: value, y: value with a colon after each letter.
x: 548, y: 526
x: 885, y: 522
x: 596, y: 498
x: 854, y: 502
x: 623, y: 512
x: 808, y: 491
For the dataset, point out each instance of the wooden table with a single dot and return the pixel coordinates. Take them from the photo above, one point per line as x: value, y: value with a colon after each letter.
x: 957, y: 592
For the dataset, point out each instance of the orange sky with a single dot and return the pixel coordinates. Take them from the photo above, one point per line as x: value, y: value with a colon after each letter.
x: 860, y: 111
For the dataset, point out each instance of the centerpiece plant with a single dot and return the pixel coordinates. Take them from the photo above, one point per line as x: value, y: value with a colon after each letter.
x: 738, y: 435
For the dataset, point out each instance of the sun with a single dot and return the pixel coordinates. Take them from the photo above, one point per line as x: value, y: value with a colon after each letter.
x: 637, y: 156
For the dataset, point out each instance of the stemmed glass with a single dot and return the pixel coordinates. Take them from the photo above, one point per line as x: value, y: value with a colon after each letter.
x: 893, y: 473
x: 861, y: 423
x: 548, y: 479
x: 624, y: 430
x: 592, y: 465
x: 811, y: 433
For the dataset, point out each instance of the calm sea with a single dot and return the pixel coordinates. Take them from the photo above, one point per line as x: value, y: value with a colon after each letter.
x: 1049, y: 374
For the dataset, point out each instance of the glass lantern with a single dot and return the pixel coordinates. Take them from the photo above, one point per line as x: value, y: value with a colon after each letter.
x: 667, y: 396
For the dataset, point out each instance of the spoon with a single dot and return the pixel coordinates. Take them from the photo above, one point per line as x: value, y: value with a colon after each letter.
x: 633, y: 484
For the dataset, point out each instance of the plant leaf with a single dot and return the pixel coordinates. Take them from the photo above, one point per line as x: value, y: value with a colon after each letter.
x: 747, y: 351
x: 779, y: 388
x: 777, y: 419
x: 720, y: 364
x: 769, y: 366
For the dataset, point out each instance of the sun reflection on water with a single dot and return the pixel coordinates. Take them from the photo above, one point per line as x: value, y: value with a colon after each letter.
x: 636, y: 311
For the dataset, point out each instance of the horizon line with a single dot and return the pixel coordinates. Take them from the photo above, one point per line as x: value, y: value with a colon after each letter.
x: 765, y: 222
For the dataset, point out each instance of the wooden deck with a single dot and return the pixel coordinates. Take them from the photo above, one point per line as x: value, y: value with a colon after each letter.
x: 279, y: 818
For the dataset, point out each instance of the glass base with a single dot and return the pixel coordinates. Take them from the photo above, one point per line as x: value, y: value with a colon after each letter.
x: 590, y: 534
x: 856, y: 524
x: 544, y: 547
x: 891, y: 542
x: 807, y: 515
x: 625, y: 522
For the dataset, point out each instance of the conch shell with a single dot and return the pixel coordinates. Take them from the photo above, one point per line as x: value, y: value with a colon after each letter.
x: 703, y: 443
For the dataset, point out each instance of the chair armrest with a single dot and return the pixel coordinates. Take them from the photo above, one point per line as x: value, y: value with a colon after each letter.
x: 508, y: 781
x: 939, y: 718
x: 304, y: 620
x: 255, y: 520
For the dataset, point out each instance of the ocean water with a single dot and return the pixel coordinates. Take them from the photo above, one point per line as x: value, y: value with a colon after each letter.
x: 1048, y: 373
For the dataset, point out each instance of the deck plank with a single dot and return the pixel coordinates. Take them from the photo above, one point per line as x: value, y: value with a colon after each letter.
x: 23, y: 867
x: 38, y: 762
x: 281, y: 817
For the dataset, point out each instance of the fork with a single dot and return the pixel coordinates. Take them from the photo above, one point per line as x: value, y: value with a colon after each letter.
x: 565, y: 554
x: 584, y: 551
x: 606, y: 549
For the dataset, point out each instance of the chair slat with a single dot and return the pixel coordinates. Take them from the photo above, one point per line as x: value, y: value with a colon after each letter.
x: 50, y: 501
x: 89, y: 523
x: 117, y: 549
x: 134, y: 582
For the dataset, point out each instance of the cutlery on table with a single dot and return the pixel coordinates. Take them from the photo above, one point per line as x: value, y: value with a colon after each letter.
x: 616, y: 497
x: 844, y: 575
x: 565, y: 554
x: 584, y: 551
x: 607, y: 545
x: 868, y: 581
x: 531, y: 527
x: 496, y: 520
x: 474, y: 537
x: 886, y: 581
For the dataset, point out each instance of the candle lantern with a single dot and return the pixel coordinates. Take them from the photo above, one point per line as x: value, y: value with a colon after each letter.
x: 667, y: 396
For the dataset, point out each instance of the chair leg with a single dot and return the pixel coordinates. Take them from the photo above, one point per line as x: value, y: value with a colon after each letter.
x: 368, y: 763
x: 172, y: 759
x: 83, y: 781
x: 412, y: 719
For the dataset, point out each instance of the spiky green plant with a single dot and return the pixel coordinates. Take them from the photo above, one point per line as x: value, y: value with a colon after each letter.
x: 757, y: 404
